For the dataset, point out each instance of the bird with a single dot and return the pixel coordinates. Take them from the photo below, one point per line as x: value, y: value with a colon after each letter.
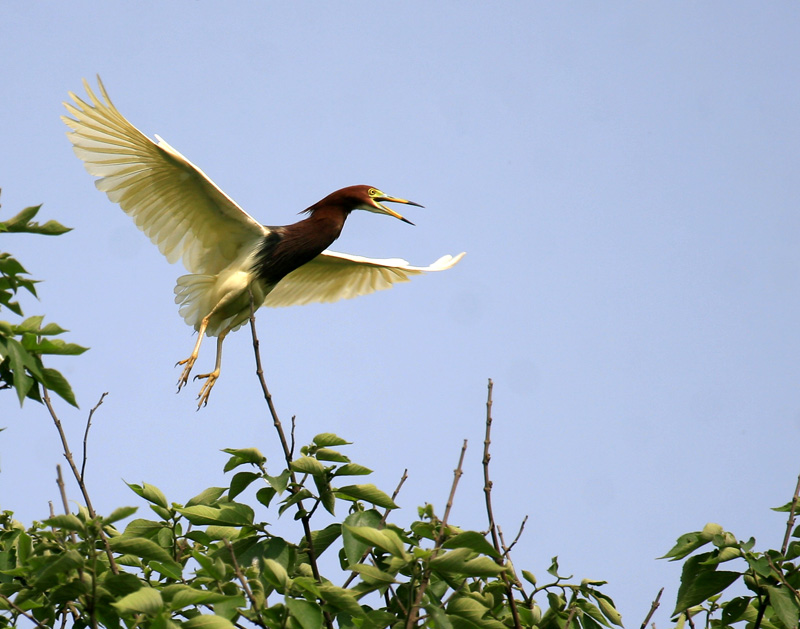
x: 231, y: 258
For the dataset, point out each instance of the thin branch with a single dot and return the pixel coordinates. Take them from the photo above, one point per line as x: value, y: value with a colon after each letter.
x: 63, y: 491
x: 782, y: 578
x: 287, y: 452
x: 507, y: 549
x: 77, y: 475
x: 21, y: 611
x: 573, y: 610
x: 413, y: 614
x: 792, y: 516
x: 653, y: 609
x: 86, y: 434
x: 243, y: 581
x: 487, y: 491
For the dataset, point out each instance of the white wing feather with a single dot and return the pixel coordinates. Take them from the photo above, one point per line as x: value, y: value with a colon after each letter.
x: 170, y: 199
x: 333, y: 276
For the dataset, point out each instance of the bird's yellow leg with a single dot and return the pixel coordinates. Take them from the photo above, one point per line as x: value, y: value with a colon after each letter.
x: 189, y: 362
x: 211, y: 378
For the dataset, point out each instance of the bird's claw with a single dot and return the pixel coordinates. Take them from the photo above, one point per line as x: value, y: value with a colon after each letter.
x: 205, y: 391
x: 184, y: 379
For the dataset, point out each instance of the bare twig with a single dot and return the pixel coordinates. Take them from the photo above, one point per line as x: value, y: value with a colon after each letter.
x: 413, y: 614
x: 63, y: 491
x: 68, y: 455
x: 86, y: 434
x: 487, y: 491
x: 287, y: 452
x: 21, y: 611
x: 653, y: 609
x: 792, y: 516
x: 243, y: 581
x: 507, y: 549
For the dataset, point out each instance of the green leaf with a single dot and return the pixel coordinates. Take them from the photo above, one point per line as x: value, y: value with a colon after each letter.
x: 240, y: 482
x: 171, y: 569
x: 367, y: 493
x: 294, y: 499
x: 699, y: 581
x: 308, y: 465
x: 224, y: 514
x: 24, y: 547
x: 280, y: 482
x: 58, y: 384
x: 381, y: 538
x: 68, y: 522
x: 733, y: 610
x: 352, y: 469
x: 372, y: 575
x: 144, y: 601
x: 119, y: 514
x: 55, y: 568
x: 142, y: 528
x: 243, y: 456
x: 208, y: 622
x: 323, y: 538
x: 52, y: 346
x: 325, y: 493
x: 785, y: 605
x: 206, y: 497
x: 150, y: 493
x: 529, y: 577
x: 473, y: 612
x: 306, y: 613
x: 354, y: 548
x: 275, y: 574
x: 483, y: 567
x: 179, y: 596
x: 327, y: 439
x: 341, y: 599
x: 474, y: 541
x: 22, y: 223
x: 326, y: 454
x: 607, y: 607
x: 142, y: 547
x: 686, y: 545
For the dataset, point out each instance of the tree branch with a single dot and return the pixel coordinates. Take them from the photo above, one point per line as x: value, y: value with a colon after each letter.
x: 653, y: 609
x: 287, y: 451
x: 487, y: 491
x: 792, y: 516
x: 413, y: 614
x: 78, y: 476
x: 86, y: 434
x: 243, y: 581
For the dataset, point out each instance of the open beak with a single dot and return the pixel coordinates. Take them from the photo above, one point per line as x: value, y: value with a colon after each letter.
x: 389, y: 211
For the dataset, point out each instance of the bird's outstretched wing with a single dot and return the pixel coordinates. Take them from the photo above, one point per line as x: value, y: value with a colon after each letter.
x: 333, y: 276
x: 170, y: 199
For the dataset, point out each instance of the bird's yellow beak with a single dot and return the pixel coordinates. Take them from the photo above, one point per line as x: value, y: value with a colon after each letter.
x: 384, y: 198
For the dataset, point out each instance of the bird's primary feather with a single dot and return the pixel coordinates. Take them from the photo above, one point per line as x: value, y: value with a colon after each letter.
x: 170, y: 199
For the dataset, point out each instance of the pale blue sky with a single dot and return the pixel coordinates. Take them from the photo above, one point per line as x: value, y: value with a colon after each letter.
x: 624, y: 178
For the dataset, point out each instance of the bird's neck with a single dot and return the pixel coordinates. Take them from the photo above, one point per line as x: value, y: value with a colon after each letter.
x: 287, y: 248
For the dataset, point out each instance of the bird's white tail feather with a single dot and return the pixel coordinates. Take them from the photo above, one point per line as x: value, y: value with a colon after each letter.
x: 191, y: 293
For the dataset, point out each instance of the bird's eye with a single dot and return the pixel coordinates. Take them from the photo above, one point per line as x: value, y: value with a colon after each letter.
x: 372, y: 192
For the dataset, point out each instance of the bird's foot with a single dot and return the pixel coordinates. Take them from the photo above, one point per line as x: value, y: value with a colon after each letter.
x: 205, y: 391
x: 189, y: 363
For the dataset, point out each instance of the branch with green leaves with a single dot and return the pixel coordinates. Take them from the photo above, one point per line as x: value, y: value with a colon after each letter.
x: 23, y: 343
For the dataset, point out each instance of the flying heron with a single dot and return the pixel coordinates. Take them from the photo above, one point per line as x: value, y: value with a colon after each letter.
x: 229, y: 255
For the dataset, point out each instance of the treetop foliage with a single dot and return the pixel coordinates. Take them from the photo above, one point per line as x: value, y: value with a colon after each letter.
x: 212, y: 561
